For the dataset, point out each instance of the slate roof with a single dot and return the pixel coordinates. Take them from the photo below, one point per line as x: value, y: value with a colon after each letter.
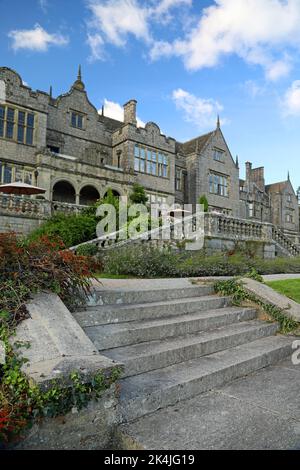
x: 276, y: 187
x: 193, y: 145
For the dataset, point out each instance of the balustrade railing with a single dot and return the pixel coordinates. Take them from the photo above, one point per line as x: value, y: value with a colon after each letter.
x: 24, y: 205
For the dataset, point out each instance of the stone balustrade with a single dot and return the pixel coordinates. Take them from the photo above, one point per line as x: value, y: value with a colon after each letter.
x: 66, y: 208
x: 24, y: 206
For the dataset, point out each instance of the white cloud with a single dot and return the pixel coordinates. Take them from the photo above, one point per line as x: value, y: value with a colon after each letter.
x: 36, y: 39
x: 116, y: 111
x: 198, y: 111
x: 291, y: 100
x: 96, y: 44
x: 116, y: 20
x: 258, y: 31
x: 43, y: 5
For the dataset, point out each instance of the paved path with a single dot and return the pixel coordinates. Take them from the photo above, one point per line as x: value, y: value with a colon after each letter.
x: 260, y: 411
x: 147, y: 284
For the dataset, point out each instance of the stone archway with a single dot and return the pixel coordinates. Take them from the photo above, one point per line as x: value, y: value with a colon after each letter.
x: 63, y: 191
x: 88, y: 195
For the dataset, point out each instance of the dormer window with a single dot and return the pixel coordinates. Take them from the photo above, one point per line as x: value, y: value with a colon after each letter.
x: 77, y: 120
x: 218, y: 155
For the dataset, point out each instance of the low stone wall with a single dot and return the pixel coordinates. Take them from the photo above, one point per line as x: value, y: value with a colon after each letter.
x: 93, y: 428
x: 261, y: 249
x: 20, y: 224
x: 58, y: 347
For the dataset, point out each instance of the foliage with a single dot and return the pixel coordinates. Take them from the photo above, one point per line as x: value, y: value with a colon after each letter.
x: 203, y: 200
x: 71, y: 229
x: 142, y: 260
x: 138, y: 195
x: 22, y: 401
x: 239, y: 294
x: 253, y: 274
x: 87, y: 250
x: 27, y: 267
x: 289, y: 288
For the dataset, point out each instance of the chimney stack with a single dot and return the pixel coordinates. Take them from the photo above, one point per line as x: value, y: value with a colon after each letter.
x: 248, y: 171
x: 130, y: 112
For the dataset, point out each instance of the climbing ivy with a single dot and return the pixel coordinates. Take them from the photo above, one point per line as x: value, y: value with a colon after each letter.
x: 23, y: 401
x: 239, y: 294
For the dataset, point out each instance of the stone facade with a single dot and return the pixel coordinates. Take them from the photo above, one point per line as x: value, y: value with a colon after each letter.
x: 66, y: 146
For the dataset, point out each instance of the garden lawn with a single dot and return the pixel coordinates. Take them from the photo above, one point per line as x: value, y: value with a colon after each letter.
x: 290, y: 288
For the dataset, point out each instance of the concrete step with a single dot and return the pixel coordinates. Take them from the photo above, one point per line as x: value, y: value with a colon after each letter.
x: 124, y: 313
x: 144, y: 357
x: 124, y: 334
x: 145, y: 393
x: 138, y: 296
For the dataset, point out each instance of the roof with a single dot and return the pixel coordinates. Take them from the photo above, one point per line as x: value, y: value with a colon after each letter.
x: 111, y: 124
x: 194, y: 145
x: 276, y: 187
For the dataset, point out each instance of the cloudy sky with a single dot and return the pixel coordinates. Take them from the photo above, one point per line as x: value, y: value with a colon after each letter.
x: 185, y: 61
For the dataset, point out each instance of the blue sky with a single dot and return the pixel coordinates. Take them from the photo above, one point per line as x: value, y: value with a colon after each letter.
x: 184, y: 61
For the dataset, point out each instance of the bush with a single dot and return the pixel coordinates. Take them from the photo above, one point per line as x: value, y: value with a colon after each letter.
x: 145, y: 261
x: 71, y: 229
x: 87, y: 250
x: 29, y: 267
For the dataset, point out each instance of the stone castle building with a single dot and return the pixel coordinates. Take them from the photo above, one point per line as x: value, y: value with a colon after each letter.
x: 64, y: 145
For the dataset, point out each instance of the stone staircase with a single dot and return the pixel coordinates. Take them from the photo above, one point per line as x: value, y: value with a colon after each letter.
x: 176, y: 343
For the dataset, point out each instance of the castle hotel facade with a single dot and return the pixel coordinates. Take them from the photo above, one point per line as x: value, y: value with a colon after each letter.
x: 65, y: 146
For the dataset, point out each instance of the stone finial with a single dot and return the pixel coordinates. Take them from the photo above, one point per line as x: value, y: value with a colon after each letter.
x: 288, y: 179
x: 218, y: 122
x: 79, y: 85
x: 237, y: 162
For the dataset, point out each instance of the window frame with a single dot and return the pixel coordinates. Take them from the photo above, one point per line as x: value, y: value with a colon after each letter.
x: 151, y: 162
x: 14, y: 123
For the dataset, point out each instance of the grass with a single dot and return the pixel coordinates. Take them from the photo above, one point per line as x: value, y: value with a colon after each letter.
x: 290, y: 288
x: 113, y: 276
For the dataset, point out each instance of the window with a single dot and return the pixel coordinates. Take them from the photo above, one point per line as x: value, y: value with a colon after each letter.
x: 250, y: 209
x: 289, y: 198
x: 218, y: 184
x: 150, y: 162
x: 77, y: 120
x: 218, y: 155
x: 10, y: 173
x: 178, y: 179
x: 10, y: 123
x: 17, y: 125
x: 53, y: 149
x: 290, y: 218
x: 30, y: 127
x: 2, y: 117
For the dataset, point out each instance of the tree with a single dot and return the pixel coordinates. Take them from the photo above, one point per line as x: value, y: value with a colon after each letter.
x: 203, y: 200
x: 138, y: 195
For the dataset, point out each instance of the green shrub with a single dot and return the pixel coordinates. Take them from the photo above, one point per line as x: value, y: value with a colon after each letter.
x: 87, y: 250
x: 144, y: 261
x: 71, y: 229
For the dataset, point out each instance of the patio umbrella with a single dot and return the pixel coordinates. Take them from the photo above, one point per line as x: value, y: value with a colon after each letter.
x: 21, y: 188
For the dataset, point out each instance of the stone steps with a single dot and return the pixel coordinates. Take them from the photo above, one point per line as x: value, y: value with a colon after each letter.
x: 145, y: 393
x: 106, y: 314
x: 134, y: 332
x: 144, y: 357
x: 159, y: 294
x: 177, y: 343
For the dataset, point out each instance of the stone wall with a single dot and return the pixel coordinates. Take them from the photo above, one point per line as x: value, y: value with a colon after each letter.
x: 93, y: 428
x: 20, y: 224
